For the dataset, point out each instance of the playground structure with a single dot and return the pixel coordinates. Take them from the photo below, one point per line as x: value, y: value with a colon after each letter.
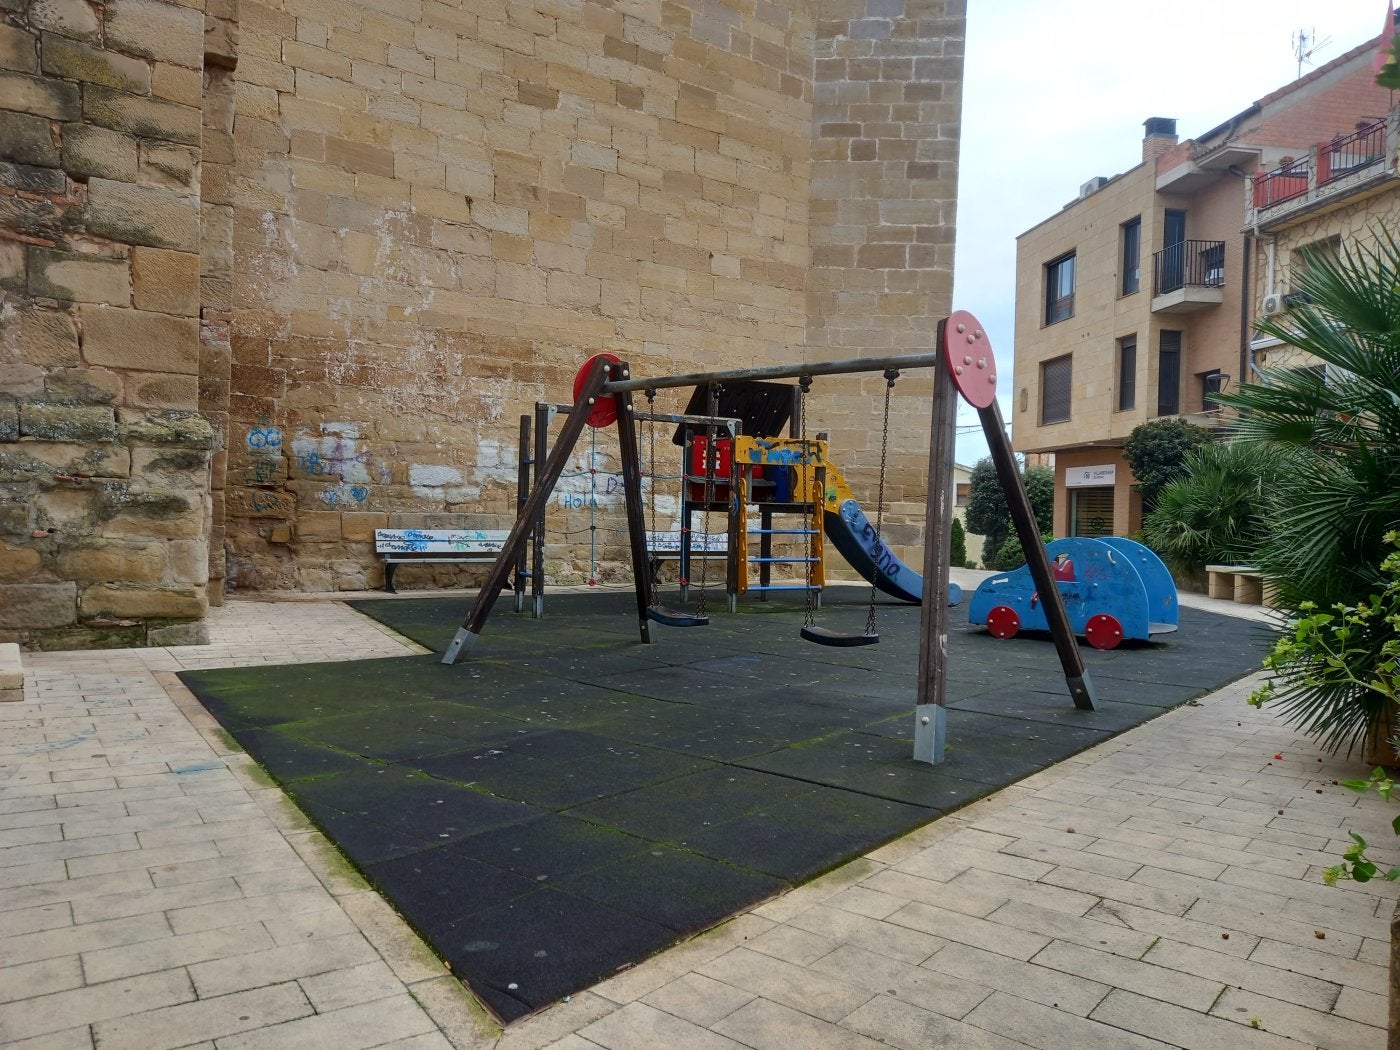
x: 1113, y: 589
x: 966, y: 366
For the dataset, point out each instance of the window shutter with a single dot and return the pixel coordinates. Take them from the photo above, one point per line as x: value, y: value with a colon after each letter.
x: 1055, y: 390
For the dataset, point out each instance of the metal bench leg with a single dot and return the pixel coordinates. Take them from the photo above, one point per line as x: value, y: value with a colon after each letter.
x: 389, y: 567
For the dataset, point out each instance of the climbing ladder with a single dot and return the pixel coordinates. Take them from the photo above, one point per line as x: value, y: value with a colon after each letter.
x: 795, y: 493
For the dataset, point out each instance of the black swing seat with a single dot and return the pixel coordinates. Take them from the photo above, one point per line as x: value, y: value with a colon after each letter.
x: 671, y: 618
x: 824, y: 636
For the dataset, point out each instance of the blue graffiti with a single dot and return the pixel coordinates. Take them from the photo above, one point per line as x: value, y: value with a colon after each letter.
x: 264, y: 437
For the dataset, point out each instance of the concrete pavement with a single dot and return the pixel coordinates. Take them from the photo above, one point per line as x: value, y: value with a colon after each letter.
x: 1160, y: 890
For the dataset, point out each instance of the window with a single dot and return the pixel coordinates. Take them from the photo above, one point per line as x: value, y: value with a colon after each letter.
x: 1127, y: 373
x: 1212, y: 383
x: 1132, y: 249
x: 1305, y: 257
x: 1059, y: 289
x: 1171, y: 260
x: 1091, y: 512
x: 1054, y: 390
x: 1169, y: 373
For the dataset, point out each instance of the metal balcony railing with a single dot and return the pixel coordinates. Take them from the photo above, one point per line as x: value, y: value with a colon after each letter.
x: 1325, y: 164
x: 1282, y: 184
x: 1190, y: 263
x: 1362, y: 148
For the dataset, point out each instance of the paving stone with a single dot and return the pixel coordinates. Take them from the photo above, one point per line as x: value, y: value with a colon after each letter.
x: 783, y: 983
x: 1049, y: 987
x: 29, y: 980
x: 638, y: 1026
x: 275, y: 965
x: 965, y: 929
x: 932, y: 990
x: 366, y: 1025
x: 227, y: 942
x: 1035, y: 1025
x: 894, y: 1022
x: 337, y: 989
x: 70, y: 940
x: 766, y: 1025
x: 99, y: 1002
x: 112, y: 906
x: 698, y: 999
x: 1189, y: 1029
x: 1159, y: 982
x: 207, y: 1019
x: 1076, y: 929
x: 884, y: 938
x: 1246, y: 974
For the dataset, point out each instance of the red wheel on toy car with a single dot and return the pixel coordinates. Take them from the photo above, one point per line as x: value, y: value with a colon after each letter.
x: 1103, y: 631
x: 1002, y: 622
x: 604, y: 410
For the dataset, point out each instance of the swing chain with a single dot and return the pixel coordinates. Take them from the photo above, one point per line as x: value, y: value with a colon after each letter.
x: 891, y: 374
x: 711, y: 435
x: 809, y: 474
x: 653, y: 567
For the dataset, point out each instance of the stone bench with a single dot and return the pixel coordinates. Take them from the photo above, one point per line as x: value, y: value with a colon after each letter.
x: 11, y: 673
x: 399, y: 546
x: 1237, y: 583
x: 666, y: 546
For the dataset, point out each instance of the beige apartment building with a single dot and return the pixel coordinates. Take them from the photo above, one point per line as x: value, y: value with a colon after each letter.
x: 1136, y: 300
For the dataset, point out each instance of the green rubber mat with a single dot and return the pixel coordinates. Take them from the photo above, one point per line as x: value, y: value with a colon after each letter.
x: 569, y: 801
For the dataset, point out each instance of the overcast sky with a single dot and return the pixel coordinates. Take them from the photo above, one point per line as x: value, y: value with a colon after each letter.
x: 1056, y: 93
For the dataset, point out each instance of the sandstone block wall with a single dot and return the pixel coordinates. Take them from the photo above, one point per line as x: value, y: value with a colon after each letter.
x: 104, y: 459
x: 277, y: 274
x: 443, y: 209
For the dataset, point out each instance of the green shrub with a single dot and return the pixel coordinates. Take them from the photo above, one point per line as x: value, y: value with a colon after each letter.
x: 1011, y: 555
x: 1157, y: 453
x: 1215, y: 514
x: 957, y: 549
x: 1336, y: 672
x: 1337, y: 494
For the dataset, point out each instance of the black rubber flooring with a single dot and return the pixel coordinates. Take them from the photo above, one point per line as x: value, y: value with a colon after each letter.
x: 569, y: 801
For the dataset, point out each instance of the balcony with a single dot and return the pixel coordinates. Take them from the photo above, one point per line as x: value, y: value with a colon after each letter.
x: 1331, y: 174
x: 1187, y: 277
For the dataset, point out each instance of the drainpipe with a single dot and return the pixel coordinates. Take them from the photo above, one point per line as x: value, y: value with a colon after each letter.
x: 1270, y: 276
x: 1246, y: 330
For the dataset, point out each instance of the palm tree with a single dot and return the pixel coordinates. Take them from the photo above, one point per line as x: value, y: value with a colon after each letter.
x: 1336, y: 431
x: 1338, y: 427
x: 1215, y: 511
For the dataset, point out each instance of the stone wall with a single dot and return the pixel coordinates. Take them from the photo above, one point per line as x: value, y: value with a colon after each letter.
x: 277, y: 274
x: 888, y: 90
x: 104, y: 459
x: 443, y: 210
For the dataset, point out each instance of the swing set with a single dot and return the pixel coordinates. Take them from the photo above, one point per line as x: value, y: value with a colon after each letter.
x: 966, y: 367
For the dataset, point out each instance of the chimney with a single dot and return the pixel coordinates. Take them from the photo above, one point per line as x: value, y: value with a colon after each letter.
x: 1159, y: 137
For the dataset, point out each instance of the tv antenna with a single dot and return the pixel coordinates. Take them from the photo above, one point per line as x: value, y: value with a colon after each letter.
x: 1305, y: 45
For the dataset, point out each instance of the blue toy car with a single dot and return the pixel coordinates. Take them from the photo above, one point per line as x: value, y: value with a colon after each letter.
x: 1113, y: 588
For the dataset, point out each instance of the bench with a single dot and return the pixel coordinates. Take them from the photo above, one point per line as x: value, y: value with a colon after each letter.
x: 664, y: 546
x: 401, y: 546
x: 1237, y: 583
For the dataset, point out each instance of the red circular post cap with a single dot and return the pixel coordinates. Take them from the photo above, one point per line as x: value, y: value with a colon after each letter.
x: 971, y: 363
x: 603, y: 413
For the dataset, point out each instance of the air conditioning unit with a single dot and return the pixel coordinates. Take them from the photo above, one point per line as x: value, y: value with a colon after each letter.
x: 1273, y: 305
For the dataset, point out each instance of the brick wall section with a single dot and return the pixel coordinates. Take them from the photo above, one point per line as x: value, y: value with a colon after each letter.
x: 104, y: 463
x: 885, y: 124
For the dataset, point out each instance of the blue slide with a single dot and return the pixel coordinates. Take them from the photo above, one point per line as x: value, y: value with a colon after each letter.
x: 853, y: 535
